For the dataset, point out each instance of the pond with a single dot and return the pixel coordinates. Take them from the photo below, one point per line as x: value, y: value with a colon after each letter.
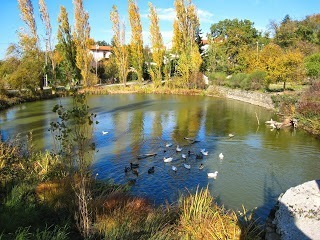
x: 258, y: 163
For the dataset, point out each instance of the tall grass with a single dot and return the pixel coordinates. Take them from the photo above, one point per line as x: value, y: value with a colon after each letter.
x: 201, y: 218
x: 49, y: 233
x: 195, y: 216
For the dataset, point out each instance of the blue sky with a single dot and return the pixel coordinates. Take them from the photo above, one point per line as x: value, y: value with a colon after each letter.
x: 261, y: 12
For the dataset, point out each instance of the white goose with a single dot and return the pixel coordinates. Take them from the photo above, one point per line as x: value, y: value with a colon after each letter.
x: 221, y: 156
x: 104, y: 132
x: 168, y: 144
x: 166, y: 160
x: 213, y: 175
x: 178, y: 149
x: 174, y: 168
x: 184, y: 156
x: 187, y: 166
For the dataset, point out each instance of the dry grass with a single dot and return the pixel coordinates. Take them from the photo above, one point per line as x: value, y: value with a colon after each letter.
x: 195, y: 217
x: 142, y: 89
x: 201, y: 218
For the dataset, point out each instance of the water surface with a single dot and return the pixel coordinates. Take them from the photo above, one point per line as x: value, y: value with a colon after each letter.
x: 258, y: 163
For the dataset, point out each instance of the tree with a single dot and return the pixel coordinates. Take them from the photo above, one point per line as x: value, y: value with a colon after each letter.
x: 82, y: 40
x: 232, y: 36
x: 280, y: 65
x: 157, y: 48
x: 312, y: 65
x: 290, y: 67
x: 66, y: 50
x: 48, y: 40
x: 28, y: 73
x: 185, y: 29
x: 119, y: 49
x: 136, y: 43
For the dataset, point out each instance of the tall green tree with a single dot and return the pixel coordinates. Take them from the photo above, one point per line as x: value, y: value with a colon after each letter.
x: 136, y: 42
x: 82, y: 41
x: 157, y: 47
x: 232, y: 36
x: 70, y: 73
x: 119, y: 49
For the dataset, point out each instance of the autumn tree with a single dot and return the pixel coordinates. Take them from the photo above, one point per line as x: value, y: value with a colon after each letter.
x: 119, y: 49
x: 66, y: 50
x: 136, y: 42
x: 281, y: 65
x: 29, y: 72
x: 185, y: 29
x: 82, y: 40
x: 157, y: 48
x: 48, y: 40
x: 290, y: 67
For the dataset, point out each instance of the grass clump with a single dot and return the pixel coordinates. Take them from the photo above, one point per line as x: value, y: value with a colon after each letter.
x: 201, y: 218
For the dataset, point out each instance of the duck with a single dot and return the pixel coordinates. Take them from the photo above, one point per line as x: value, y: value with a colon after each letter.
x: 168, y: 144
x: 201, y: 166
x: 132, y: 182
x: 221, y: 156
x: 134, y: 165
x: 199, y: 156
x: 178, y: 149
x: 104, y: 132
x: 135, y: 171
x: 174, y: 168
x: 166, y: 160
x: 187, y: 166
x: 127, y: 169
x: 151, y: 170
x: 184, y: 156
x: 204, y: 152
x: 213, y: 175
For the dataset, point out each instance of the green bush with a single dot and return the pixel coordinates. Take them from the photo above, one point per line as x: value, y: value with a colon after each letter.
x: 217, y: 78
x: 237, y: 80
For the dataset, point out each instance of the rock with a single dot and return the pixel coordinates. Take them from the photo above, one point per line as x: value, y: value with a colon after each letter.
x: 298, y: 216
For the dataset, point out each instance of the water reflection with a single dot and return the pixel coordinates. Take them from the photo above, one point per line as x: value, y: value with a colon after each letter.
x: 258, y: 165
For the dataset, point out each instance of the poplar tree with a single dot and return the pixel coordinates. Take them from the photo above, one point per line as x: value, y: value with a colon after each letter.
x: 136, y: 43
x: 66, y: 47
x: 44, y: 15
x: 185, y: 29
x: 119, y: 48
x: 28, y: 73
x: 157, y: 46
x: 82, y: 41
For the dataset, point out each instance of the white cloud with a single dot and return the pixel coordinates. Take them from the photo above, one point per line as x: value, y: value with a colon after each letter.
x: 205, y: 16
x: 168, y: 14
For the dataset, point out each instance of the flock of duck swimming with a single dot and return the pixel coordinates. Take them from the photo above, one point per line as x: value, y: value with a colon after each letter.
x: 134, y: 166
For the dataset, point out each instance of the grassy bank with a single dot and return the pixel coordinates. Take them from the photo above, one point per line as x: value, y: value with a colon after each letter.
x: 10, y: 99
x: 148, y: 89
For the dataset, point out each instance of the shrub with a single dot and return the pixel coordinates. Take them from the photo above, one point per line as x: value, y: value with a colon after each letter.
x: 257, y: 80
x: 285, y: 103
x: 217, y: 78
x: 309, y: 104
x: 236, y: 80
